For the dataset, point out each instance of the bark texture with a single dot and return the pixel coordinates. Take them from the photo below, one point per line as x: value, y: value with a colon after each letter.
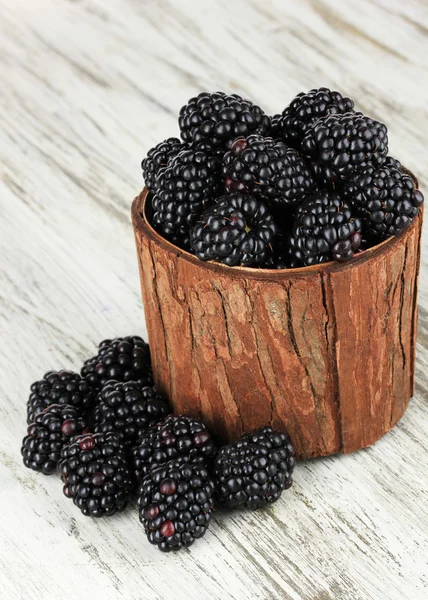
x: 326, y: 352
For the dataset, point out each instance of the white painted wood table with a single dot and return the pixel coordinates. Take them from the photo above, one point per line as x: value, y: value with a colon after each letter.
x: 87, y: 87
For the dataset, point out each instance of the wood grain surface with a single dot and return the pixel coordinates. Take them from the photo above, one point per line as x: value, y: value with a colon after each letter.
x: 87, y: 87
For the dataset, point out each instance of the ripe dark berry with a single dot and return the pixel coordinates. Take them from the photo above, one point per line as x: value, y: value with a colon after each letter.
x: 120, y: 359
x: 176, y: 500
x: 263, y: 167
x: 185, y: 188
x: 46, y: 436
x: 324, y: 229
x: 157, y: 159
x: 237, y: 230
x: 128, y: 409
x: 385, y: 198
x: 96, y: 474
x: 306, y: 109
x: 217, y: 119
x: 59, y: 387
x: 338, y: 145
x: 177, y: 436
x: 254, y: 470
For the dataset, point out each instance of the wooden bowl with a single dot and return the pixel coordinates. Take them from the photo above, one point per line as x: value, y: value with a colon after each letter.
x: 326, y: 352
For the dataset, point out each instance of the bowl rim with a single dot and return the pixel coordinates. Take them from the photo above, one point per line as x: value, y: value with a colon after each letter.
x: 142, y: 224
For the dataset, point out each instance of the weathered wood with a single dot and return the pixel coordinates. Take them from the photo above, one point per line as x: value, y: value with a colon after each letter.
x: 326, y: 352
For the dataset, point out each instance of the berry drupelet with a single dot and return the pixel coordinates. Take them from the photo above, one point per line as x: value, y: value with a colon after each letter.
x: 306, y: 109
x: 120, y: 359
x: 237, y: 230
x: 185, y: 188
x: 128, y: 409
x: 157, y: 159
x: 263, y: 167
x: 385, y: 198
x: 340, y: 144
x: 324, y: 229
x: 217, y: 119
x: 254, y: 470
x: 175, y: 502
x: 96, y: 474
x: 47, y: 435
x: 59, y: 387
x: 178, y: 436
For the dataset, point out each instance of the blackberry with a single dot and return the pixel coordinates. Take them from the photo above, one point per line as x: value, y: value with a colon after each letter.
x: 120, y: 359
x: 175, y: 503
x: 176, y: 437
x: 51, y: 430
x: 340, y: 144
x: 267, y: 168
x: 255, y: 470
x: 157, y: 159
x: 275, y: 131
x: 59, y: 387
x: 128, y: 409
x: 385, y: 198
x: 96, y: 474
x: 186, y: 187
x: 306, y: 109
x: 237, y: 230
x: 217, y: 119
x: 324, y: 229
x: 392, y: 162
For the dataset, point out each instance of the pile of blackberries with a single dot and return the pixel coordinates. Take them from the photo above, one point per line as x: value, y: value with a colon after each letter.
x: 307, y: 186
x: 111, y: 436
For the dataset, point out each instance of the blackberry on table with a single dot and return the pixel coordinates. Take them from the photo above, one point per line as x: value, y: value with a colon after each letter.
x: 340, y: 144
x: 216, y: 119
x: 175, y: 504
x: 119, y: 359
x: 96, y: 474
x: 325, y: 228
x: 267, y: 168
x: 128, y: 409
x: 237, y: 230
x: 255, y: 470
x: 306, y: 109
x: 157, y: 159
x: 185, y: 188
x: 46, y: 436
x: 177, y: 436
x: 385, y: 198
x: 59, y: 387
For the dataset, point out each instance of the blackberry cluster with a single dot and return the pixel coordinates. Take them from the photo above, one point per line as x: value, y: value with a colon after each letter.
x: 120, y: 359
x: 385, y: 198
x: 305, y: 110
x: 268, y: 169
x: 176, y: 437
x: 185, y: 188
x: 128, y: 409
x: 324, y: 229
x: 237, y: 230
x: 340, y: 144
x: 96, y: 475
x: 47, y: 435
x: 157, y: 160
x: 317, y: 145
x: 217, y: 119
x: 175, y: 502
x: 59, y: 387
x: 255, y: 470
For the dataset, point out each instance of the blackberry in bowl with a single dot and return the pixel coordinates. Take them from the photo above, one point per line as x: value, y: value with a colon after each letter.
x: 267, y: 169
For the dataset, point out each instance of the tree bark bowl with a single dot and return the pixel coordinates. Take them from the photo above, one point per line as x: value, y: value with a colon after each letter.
x: 325, y: 352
